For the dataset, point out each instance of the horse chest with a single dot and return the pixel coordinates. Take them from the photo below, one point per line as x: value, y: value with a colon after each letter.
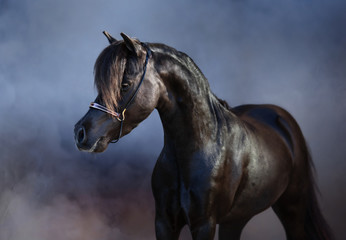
x: 200, y: 191
x: 191, y: 186
x: 193, y: 201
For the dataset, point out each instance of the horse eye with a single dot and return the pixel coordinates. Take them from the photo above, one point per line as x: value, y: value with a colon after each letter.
x: 125, y: 86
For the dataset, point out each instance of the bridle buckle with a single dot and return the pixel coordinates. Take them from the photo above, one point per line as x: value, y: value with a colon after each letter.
x: 121, y: 116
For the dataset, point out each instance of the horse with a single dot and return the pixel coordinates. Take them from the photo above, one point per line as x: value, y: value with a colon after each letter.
x: 219, y: 165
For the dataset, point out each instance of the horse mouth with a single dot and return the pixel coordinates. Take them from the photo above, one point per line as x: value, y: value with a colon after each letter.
x: 100, y: 145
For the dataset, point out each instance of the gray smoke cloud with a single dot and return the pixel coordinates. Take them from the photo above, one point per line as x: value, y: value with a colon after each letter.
x: 289, y: 53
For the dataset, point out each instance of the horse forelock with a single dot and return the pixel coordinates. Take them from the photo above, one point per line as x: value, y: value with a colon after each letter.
x: 109, y: 69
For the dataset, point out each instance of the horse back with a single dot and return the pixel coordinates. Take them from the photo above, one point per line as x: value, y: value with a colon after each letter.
x: 272, y: 116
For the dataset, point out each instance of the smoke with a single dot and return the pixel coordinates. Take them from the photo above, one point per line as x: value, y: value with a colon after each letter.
x: 289, y: 53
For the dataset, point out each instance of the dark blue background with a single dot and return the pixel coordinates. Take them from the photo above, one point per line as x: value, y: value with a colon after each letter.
x: 289, y: 53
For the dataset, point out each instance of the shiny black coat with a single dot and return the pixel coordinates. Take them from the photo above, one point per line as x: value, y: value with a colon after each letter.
x: 219, y: 165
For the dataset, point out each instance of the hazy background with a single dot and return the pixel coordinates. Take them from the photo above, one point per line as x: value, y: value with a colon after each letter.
x: 291, y: 53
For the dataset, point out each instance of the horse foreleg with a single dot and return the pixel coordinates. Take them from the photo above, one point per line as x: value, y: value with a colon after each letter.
x: 165, y: 232
x: 204, y: 231
x: 231, y: 230
x: 168, y: 227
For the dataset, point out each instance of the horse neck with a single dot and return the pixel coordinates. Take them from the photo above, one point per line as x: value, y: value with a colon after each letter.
x: 190, y: 113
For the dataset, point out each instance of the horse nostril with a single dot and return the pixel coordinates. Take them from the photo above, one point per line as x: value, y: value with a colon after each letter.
x: 81, y: 136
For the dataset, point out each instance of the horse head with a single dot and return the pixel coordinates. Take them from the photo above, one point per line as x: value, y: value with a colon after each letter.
x: 128, y: 91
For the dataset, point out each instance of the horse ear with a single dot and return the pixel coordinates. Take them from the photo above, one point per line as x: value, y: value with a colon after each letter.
x: 131, y: 44
x: 109, y: 37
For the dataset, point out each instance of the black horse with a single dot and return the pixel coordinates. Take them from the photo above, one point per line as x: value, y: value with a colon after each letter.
x: 219, y: 165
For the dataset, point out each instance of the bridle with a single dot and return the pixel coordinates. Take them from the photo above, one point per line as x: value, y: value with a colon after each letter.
x: 120, y: 116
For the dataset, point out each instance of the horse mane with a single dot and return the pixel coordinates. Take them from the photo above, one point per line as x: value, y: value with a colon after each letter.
x: 185, y: 59
x: 224, y: 103
x: 110, y: 66
x: 108, y: 71
x: 188, y: 61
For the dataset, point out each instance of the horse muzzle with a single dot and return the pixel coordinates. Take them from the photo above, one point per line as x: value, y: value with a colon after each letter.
x: 87, y: 144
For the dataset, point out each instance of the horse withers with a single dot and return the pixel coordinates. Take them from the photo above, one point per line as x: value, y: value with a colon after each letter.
x: 219, y: 165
